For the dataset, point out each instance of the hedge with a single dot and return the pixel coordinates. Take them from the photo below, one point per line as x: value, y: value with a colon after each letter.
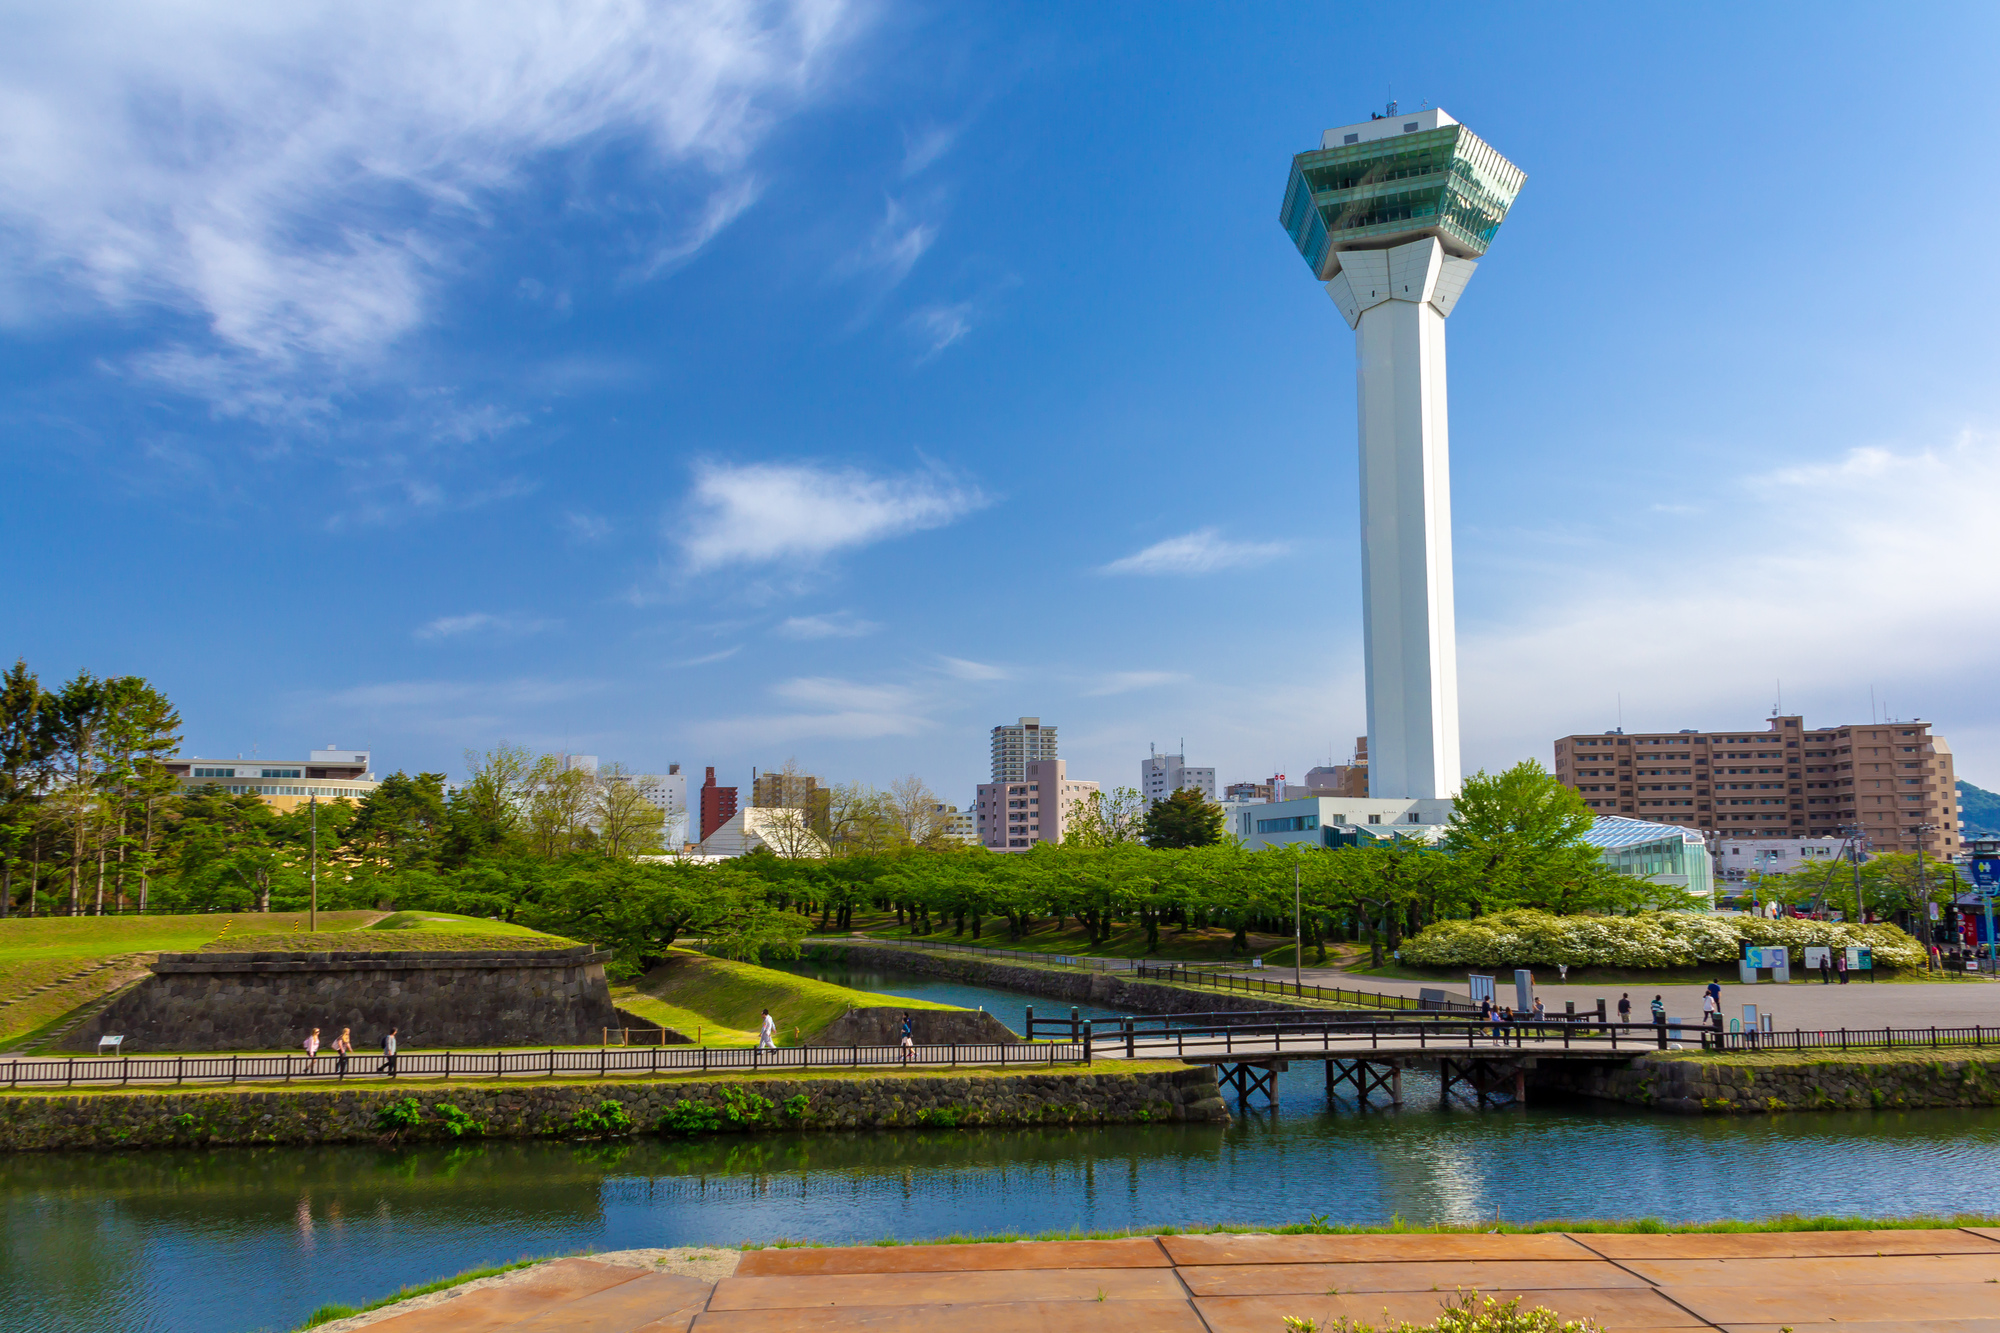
x: 1650, y: 939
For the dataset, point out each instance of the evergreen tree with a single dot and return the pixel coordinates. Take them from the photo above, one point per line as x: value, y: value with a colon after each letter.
x: 1185, y: 819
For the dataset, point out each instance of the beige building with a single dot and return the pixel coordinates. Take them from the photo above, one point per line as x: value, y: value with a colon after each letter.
x: 285, y: 784
x: 1014, y: 816
x: 1892, y: 782
x: 1017, y: 746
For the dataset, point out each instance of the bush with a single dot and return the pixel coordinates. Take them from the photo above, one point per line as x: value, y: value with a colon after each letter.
x: 1466, y: 1314
x: 458, y: 1123
x: 1648, y: 940
x: 399, y: 1116
x: 740, y: 1110
x: 604, y: 1120
x: 686, y: 1117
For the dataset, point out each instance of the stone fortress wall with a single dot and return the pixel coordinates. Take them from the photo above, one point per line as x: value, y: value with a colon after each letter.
x: 270, y: 1001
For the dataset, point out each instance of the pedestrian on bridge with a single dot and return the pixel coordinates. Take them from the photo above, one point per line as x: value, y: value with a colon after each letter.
x: 1625, y: 1007
x: 312, y: 1047
x: 1659, y: 1012
x: 767, y: 1033
x: 343, y: 1046
x: 389, y: 1052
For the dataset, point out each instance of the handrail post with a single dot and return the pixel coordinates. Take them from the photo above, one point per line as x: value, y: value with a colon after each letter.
x: 1087, y: 1051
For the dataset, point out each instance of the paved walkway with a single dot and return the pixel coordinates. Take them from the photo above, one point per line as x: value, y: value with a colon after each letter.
x: 1810, y: 1005
x: 1940, y: 1281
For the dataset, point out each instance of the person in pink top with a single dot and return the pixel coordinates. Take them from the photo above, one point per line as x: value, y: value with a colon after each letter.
x: 312, y: 1046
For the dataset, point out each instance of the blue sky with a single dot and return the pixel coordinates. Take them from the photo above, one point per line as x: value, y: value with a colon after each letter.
x: 724, y: 383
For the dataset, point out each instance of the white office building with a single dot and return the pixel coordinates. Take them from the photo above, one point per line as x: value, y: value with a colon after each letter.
x: 667, y: 793
x: 1335, y: 821
x: 1735, y: 858
x: 1161, y: 775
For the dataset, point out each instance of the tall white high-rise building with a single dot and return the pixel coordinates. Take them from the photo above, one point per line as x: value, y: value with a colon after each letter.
x: 666, y: 792
x: 1392, y: 215
x: 1161, y: 775
x: 1015, y: 747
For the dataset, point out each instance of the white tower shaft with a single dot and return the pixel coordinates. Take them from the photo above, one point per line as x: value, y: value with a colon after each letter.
x: 1396, y: 301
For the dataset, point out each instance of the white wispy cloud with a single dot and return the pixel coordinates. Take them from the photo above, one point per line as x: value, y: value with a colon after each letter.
x: 831, y: 625
x: 899, y: 240
x: 925, y: 146
x: 758, y: 513
x: 824, y: 707
x: 298, y: 179
x: 1861, y: 572
x: 584, y: 527
x: 1124, y: 682
x: 1203, y: 551
x: 937, y: 327
x: 485, y: 622
x: 963, y: 669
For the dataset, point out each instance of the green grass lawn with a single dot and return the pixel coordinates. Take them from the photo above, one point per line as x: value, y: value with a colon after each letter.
x: 726, y: 1000
x: 449, y: 923
x: 100, y: 936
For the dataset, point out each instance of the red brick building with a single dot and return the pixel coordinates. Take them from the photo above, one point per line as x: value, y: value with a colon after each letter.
x: 718, y: 805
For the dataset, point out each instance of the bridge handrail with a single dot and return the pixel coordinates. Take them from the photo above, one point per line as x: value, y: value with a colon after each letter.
x: 1226, y: 981
x: 598, y: 1061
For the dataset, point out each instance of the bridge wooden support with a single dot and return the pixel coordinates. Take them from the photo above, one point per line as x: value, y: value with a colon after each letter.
x: 1253, y: 1076
x: 1491, y: 1082
x: 1366, y: 1077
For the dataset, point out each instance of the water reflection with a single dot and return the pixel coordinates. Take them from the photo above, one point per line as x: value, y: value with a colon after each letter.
x: 220, y: 1241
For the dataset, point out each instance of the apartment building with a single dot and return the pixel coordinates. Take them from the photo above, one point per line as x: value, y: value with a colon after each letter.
x: 667, y: 793
x: 1243, y: 793
x: 718, y: 806
x: 1013, y: 816
x: 1015, y: 747
x: 1161, y: 775
x: 285, y: 784
x: 1889, y: 782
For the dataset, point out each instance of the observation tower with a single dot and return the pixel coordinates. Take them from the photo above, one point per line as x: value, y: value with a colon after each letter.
x: 1392, y: 215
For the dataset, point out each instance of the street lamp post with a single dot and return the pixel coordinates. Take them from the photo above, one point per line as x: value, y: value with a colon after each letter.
x: 1924, y: 891
x: 312, y: 908
x: 1853, y: 832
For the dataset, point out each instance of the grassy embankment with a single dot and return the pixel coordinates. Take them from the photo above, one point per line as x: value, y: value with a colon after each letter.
x: 52, y: 966
x: 721, y: 1003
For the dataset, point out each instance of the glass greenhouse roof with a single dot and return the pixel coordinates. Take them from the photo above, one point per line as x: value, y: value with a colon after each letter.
x: 1612, y: 831
x: 1377, y: 192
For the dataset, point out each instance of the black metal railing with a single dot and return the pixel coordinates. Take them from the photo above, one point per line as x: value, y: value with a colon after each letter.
x: 551, y: 1063
x: 1182, y: 974
x: 1850, y: 1039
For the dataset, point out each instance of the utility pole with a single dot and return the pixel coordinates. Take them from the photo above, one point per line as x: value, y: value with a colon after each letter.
x: 1298, y: 933
x: 312, y: 909
x: 1853, y: 832
x: 1924, y: 893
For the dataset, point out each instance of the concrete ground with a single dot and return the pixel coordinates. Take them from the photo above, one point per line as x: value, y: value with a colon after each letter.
x: 1808, y: 1005
x: 1932, y: 1281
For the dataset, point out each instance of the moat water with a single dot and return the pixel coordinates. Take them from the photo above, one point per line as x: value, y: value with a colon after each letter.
x: 231, y: 1240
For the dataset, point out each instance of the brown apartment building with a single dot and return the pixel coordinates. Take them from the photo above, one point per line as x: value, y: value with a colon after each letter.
x: 1888, y: 779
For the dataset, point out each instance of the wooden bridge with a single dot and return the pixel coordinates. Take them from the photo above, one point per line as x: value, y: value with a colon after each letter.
x: 1487, y: 1060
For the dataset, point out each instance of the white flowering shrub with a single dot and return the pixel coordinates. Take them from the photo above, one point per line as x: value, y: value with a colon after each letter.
x: 1649, y: 940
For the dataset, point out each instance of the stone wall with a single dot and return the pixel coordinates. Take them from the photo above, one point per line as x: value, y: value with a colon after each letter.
x: 1696, y: 1086
x: 270, y: 1001
x: 528, y: 1109
x: 929, y: 1027
x: 1107, y: 989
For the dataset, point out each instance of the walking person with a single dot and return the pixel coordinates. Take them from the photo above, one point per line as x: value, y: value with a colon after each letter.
x: 767, y: 1034
x: 1840, y: 963
x: 389, y: 1052
x: 907, y: 1040
x: 312, y: 1049
x: 1711, y: 1012
x: 343, y: 1046
x: 1625, y: 1007
x: 1659, y: 1012
x: 1826, y: 966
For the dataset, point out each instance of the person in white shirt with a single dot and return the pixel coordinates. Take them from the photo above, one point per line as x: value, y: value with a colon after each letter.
x: 767, y: 1037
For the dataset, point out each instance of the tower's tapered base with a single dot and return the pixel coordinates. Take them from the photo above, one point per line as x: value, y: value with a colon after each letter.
x: 1396, y: 300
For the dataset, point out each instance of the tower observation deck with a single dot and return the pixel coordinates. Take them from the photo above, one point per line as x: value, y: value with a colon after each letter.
x: 1392, y: 215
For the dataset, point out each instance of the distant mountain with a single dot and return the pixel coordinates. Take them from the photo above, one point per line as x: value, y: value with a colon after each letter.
x: 1982, y: 811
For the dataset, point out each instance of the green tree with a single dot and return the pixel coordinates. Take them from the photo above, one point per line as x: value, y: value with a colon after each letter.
x: 402, y: 823
x: 1104, y: 818
x: 1185, y: 819
x: 141, y: 730
x: 25, y: 748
